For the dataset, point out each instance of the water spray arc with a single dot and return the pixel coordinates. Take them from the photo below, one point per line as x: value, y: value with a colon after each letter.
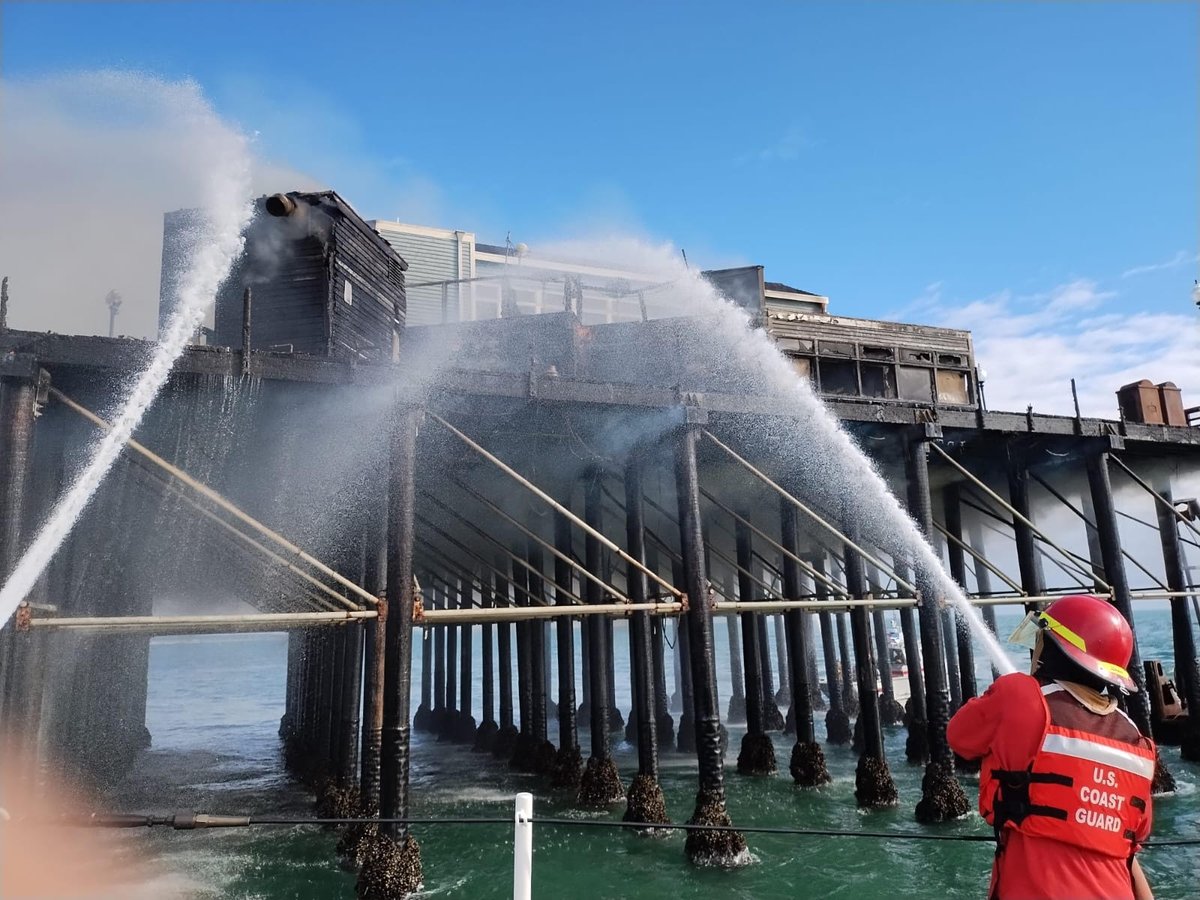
x: 226, y: 213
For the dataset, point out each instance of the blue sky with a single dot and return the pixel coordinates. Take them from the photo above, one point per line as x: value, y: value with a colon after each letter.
x: 903, y: 158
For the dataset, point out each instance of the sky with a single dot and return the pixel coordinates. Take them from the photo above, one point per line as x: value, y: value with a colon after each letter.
x: 1027, y: 170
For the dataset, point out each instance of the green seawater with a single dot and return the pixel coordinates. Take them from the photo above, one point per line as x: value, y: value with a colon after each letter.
x: 214, y: 709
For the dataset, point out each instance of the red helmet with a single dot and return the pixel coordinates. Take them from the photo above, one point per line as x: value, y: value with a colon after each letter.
x: 1092, y: 633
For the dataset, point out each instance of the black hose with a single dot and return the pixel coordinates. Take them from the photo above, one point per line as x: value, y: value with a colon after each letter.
x: 186, y: 820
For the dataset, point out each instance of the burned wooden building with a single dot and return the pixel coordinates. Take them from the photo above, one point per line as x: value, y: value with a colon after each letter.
x: 322, y: 280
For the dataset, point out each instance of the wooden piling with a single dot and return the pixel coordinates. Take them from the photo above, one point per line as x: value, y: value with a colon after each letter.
x: 1187, y: 667
x: 773, y: 719
x: 601, y: 784
x: 890, y: 711
x: 757, y: 754
x: 450, y: 716
x: 340, y: 795
x: 423, y: 720
x: 372, y: 738
x: 506, y: 737
x: 523, y: 752
x: 916, y: 719
x: 1029, y: 561
x: 437, y: 721
x: 686, y: 733
x: 393, y: 868
x: 942, y: 797
x: 465, y: 726
x: 873, y: 784
x: 837, y: 716
x: 568, y: 764
x: 17, y: 400
x: 645, y: 797
x: 736, y: 713
x: 807, y: 764
x: 1109, y: 533
x: 726, y: 848
x: 846, y: 669
x: 542, y: 751
x: 784, y: 692
x: 958, y: 571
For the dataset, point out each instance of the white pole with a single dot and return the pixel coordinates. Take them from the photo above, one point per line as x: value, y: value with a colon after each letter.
x: 523, y: 848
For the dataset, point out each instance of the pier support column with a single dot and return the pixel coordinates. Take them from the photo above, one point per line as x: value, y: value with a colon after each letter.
x: 568, y: 763
x: 465, y: 728
x: 374, y: 654
x: 890, y: 710
x: 523, y: 752
x: 916, y: 719
x: 736, y: 714
x: 873, y: 784
x: 543, y: 751
x: 983, y: 578
x: 942, y: 797
x: 393, y: 864
x: 438, y: 719
x: 1114, y: 568
x: 686, y: 734
x: 1029, y: 561
x: 721, y: 848
x: 17, y: 405
x: 485, y: 736
x: 807, y: 766
x: 348, y: 728
x: 773, y: 719
x: 645, y: 802
x: 423, y: 720
x: 664, y: 722
x: 601, y: 785
x: 784, y: 694
x: 446, y: 729
x: 846, y: 667
x: 506, y: 737
x: 616, y: 721
x: 757, y: 755
x: 958, y: 571
x: 359, y: 838
x: 837, y: 718
x: 1187, y: 667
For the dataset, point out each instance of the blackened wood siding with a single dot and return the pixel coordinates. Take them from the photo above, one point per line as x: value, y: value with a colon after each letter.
x: 323, y: 282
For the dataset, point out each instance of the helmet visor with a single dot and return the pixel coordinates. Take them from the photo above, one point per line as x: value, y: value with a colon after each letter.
x: 1026, y: 633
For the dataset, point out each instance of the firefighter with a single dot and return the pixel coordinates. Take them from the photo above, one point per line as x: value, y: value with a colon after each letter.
x: 1065, y: 775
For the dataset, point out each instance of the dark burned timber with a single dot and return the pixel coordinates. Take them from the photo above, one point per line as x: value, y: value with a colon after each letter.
x: 361, y: 766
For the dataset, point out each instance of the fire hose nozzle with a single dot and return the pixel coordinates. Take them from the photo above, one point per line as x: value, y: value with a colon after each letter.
x: 186, y: 820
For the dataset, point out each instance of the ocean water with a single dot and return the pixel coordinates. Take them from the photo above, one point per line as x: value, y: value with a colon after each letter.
x: 214, y: 709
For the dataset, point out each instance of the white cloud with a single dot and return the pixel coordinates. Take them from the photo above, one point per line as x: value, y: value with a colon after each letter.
x: 1033, y: 345
x: 786, y: 148
x: 1181, y: 258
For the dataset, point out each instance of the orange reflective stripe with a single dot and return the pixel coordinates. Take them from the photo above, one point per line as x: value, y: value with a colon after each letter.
x: 1112, y: 667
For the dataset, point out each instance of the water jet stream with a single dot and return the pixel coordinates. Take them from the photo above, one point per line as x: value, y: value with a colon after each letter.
x: 832, y: 458
x: 217, y: 245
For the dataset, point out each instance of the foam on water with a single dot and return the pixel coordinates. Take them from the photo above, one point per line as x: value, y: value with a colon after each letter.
x: 225, y: 213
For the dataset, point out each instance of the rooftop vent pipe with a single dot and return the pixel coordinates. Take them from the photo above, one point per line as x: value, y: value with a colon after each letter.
x: 280, y: 205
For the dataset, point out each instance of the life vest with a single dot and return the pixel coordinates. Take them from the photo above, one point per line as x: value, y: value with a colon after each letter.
x: 1081, y: 789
